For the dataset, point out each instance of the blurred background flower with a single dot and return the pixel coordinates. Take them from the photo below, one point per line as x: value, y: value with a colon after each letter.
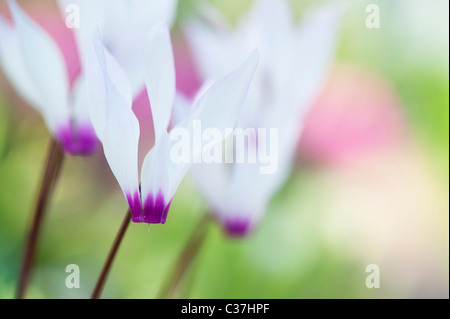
x: 357, y: 113
x: 370, y: 184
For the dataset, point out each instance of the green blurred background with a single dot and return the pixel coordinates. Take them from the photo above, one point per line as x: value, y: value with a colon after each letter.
x: 384, y: 204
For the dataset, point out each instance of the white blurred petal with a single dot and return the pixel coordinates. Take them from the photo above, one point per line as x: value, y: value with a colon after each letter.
x: 298, y: 84
x: 269, y: 25
x: 212, y: 181
x: 91, y: 15
x: 14, y: 67
x: 126, y: 29
x: 210, y: 45
x: 220, y: 105
x: 294, y: 64
x: 125, y: 25
x: 217, y: 106
x: 181, y: 108
x: 310, y: 53
x: 45, y: 65
x: 80, y: 101
x: 139, y: 16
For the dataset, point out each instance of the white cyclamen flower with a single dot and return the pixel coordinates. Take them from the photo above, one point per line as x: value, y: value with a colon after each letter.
x: 293, y: 65
x: 35, y: 66
x: 118, y: 129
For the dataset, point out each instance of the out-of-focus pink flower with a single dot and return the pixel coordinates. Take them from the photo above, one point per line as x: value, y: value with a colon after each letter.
x: 358, y: 112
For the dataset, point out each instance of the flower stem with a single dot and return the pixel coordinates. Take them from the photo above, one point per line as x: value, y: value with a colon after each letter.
x: 112, y: 253
x: 185, y: 259
x: 54, y: 162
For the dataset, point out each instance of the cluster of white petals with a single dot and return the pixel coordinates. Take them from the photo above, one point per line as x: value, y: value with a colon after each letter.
x: 295, y: 59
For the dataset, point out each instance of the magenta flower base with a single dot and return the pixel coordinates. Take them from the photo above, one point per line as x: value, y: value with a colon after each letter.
x: 78, y: 141
x: 154, y: 210
x: 237, y: 227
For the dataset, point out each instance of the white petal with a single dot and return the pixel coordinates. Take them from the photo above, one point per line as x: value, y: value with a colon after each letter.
x: 45, y: 65
x: 161, y: 10
x: 99, y: 63
x: 308, y: 56
x: 176, y: 173
x: 218, y: 108
x: 221, y: 104
x: 118, y: 77
x: 79, y: 137
x: 120, y: 142
x: 303, y: 63
x: 299, y: 78
x: 212, y: 182
x: 134, y: 17
x: 246, y: 199
x: 210, y: 45
x: 154, y: 174
x: 118, y: 20
x: 13, y: 65
x: 156, y: 190
x: 118, y: 125
x: 96, y: 85
x: 80, y: 101
x: 181, y: 108
x: 271, y: 21
x: 160, y: 78
x: 139, y: 16
x: 91, y: 15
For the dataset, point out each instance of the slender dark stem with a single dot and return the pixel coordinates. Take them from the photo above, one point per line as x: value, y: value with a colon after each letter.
x: 112, y: 253
x: 185, y: 259
x: 54, y: 162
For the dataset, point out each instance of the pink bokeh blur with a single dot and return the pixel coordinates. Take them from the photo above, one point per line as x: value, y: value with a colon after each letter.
x: 357, y: 113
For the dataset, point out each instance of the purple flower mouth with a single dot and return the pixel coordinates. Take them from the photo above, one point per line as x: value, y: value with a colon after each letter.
x: 237, y: 227
x: 79, y: 140
x: 154, y: 210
